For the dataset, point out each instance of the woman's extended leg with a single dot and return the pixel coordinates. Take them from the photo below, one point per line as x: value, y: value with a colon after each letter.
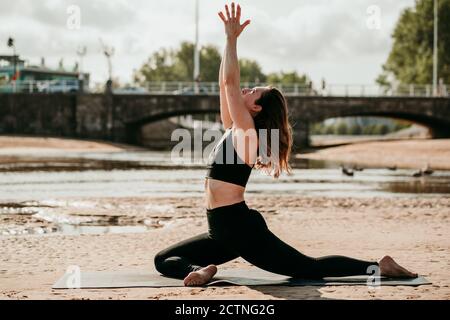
x: 259, y: 246
x: 191, y: 255
x: 270, y: 253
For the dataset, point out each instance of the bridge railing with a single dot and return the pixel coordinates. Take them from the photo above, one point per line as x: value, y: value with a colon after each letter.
x: 410, y: 90
x: 298, y: 89
x: 212, y: 88
x: 40, y: 86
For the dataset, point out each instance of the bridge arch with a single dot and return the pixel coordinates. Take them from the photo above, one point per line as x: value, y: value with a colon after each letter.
x: 437, y: 127
x: 433, y: 113
x: 133, y: 128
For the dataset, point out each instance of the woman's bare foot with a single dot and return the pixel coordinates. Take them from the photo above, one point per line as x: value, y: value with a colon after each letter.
x: 200, y: 277
x: 390, y: 268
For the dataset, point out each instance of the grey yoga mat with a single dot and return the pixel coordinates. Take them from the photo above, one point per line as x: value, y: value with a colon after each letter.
x: 240, y: 277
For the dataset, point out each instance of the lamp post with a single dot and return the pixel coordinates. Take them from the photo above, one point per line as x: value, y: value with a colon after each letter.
x: 435, y: 49
x: 81, y: 52
x: 108, y: 52
x: 11, y: 45
x: 196, y: 46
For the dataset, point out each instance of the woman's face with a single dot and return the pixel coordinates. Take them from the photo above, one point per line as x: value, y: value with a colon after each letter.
x: 250, y: 96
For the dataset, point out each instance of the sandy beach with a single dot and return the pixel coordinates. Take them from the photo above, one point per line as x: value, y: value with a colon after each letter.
x: 413, y: 231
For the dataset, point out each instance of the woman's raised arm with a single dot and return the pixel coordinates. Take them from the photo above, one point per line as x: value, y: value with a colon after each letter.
x: 239, y: 114
x: 224, y: 112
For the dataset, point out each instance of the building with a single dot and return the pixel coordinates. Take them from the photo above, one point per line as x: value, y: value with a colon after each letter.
x: 17, y: 76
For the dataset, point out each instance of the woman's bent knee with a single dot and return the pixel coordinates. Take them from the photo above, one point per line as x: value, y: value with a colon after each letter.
x: 158, y: 260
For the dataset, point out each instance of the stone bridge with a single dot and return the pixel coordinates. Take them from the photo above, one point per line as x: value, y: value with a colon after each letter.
x: 119, y: 118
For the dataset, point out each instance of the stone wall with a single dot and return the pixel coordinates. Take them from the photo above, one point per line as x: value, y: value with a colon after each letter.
x: 120, y: 118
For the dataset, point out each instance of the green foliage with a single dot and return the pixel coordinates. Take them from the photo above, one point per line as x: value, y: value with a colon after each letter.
x: 209, y: 63
x: 318, y: 128
x: 411, y: 57
x: 340, y: 128
x: 161, y: 66
x: 355, y: 129
x: 379, y: 129
x: 178, y: 65
x: 329, y: 130
x: 251, y: 71
x: 287, y: 78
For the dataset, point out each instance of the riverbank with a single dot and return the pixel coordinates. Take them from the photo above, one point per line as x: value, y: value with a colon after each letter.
x: 43, y: 144
x: 408, y: 154
x: 413, y: 230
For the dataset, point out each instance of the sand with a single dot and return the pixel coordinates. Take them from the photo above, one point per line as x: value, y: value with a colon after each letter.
x: 41, y: 144
x: 414, y: 231
x: 411, y: 154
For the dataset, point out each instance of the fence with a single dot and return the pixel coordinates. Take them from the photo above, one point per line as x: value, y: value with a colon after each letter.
x: 212, y: 88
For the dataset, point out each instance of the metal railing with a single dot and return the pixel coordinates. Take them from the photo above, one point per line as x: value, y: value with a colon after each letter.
x: 299, y: 89
x: 212, y: 88
x: 40, y: 86
x: 409, y: 90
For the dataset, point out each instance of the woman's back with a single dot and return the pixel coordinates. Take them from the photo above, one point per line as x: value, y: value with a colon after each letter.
x: 227, y: 173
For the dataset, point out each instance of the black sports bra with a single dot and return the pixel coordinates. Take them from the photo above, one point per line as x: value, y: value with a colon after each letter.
x: 224, y: 163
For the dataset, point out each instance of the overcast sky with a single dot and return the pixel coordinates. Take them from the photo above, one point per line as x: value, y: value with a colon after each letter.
x: 339, y: 40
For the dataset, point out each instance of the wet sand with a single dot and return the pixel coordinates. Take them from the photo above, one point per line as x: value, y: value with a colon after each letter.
x: 411, y: 154
x: 413, y: 230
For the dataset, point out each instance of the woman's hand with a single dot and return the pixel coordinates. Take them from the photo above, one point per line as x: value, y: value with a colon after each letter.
x: 232, y: 22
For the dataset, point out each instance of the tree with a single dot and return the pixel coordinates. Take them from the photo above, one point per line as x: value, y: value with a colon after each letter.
x: 329, y: 130
x: 288, y: 78
x: 159, y: 67
x: 251, y: 71
x: 209, y: 63
x: 318, y: 128
x: 380, y: 129
x: 340, y: 128
x: 355, y: 129
x: 178, y: 65
x: 411, y: 58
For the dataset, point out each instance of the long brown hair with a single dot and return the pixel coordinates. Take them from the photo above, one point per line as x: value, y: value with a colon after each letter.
x: 274, y: 115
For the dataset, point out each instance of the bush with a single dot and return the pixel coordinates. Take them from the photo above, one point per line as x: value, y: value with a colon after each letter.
x: 341, y: 128
x: 380, y: 129
x: 355, y: 129
x: 329, y: 130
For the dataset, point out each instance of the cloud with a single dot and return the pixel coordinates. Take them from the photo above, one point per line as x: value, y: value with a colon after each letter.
x: 324, y: 38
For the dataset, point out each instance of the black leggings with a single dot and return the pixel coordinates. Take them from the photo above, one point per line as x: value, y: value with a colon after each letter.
x: 237, y: 231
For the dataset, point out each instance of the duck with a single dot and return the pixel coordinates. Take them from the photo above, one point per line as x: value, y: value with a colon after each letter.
x: 418, y: 174
x: 347, y: 172
x: 427, y: 170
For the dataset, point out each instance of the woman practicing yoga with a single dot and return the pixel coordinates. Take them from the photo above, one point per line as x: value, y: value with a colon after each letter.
x: 234, y: 229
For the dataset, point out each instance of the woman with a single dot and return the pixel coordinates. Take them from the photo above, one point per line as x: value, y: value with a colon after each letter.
x: 234, y: 229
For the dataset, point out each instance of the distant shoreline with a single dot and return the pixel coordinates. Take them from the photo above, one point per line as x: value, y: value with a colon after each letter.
x: 405, y: 154
x: 27, y: 143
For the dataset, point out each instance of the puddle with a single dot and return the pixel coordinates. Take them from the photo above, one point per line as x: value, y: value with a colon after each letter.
x: 68, y: 229
x: 417, y: 187
x: 72, y: 229
x: 46, y: 217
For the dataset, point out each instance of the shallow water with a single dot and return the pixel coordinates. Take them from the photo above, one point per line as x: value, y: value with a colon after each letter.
x: 43, y: 184
x: 19, y: 186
